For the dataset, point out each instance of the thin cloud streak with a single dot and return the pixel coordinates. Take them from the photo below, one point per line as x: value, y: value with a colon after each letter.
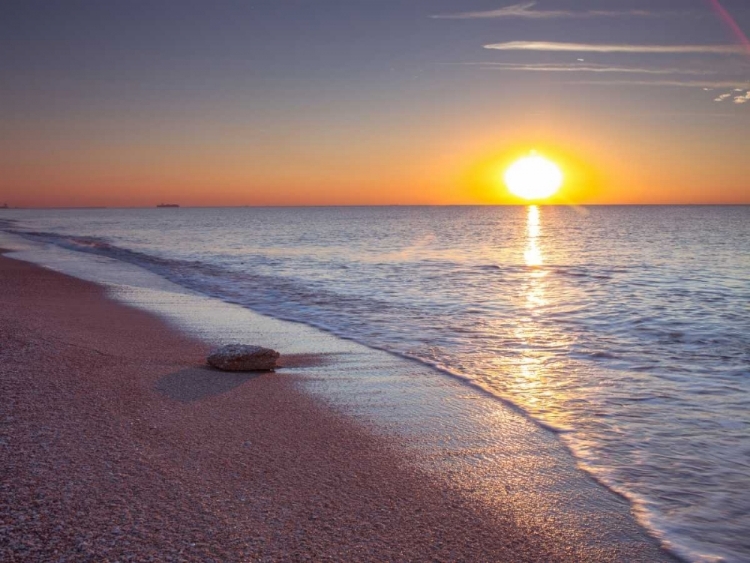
x: 615, y: 48
x: 591, y: 67
x: 523, y: 10
x: 676, y: 83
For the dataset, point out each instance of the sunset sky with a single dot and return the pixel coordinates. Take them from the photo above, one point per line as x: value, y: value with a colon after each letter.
x: 317, y: 102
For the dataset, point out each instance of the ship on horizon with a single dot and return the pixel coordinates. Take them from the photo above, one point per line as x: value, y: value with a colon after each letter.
x: 167, y: 205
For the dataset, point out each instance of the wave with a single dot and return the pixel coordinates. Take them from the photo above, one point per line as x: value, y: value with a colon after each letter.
x: 609, y: 336
x: 231, y: 286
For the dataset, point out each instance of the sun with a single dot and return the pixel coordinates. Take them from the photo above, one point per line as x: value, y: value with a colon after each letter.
x: 533, y: 177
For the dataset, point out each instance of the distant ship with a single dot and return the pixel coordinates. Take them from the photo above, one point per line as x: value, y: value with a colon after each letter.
x: 4, y: 206
x: 167, y: 205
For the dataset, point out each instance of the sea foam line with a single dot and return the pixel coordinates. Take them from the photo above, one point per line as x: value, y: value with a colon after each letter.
x: 646, y: 511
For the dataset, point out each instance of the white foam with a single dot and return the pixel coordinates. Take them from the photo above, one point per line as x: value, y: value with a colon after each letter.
x: 491, y: 451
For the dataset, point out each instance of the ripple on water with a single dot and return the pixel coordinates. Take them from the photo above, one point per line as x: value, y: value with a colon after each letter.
x: 630, y: 330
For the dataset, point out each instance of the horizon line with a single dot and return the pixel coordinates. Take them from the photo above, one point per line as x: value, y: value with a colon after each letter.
x: 282, y: 206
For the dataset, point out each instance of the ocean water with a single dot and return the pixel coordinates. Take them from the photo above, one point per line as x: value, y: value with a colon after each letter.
x: 624, y: 330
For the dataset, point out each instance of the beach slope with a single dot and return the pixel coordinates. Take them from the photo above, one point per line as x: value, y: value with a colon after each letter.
x: 118, y: 444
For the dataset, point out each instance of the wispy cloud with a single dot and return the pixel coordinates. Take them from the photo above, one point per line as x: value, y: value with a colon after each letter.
x: 718, y: 85
x: 523, y: 10
x: 615, y: 48
x: 739, y: 94
x: 588, y: 67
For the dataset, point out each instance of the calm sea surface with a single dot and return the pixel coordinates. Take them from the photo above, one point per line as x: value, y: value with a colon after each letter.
x: 624, y: 329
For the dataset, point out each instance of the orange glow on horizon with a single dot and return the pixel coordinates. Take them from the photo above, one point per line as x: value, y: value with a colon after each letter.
x: 487, y: 178
x: 451, y: 166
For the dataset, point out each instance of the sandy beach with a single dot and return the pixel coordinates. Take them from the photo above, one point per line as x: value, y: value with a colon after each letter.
x: 119, y: 445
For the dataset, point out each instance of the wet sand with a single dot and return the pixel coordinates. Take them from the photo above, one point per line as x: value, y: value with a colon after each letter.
x: 117, y: 443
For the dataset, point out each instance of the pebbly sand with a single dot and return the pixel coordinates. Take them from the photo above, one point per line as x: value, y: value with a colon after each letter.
x: 117, y: 444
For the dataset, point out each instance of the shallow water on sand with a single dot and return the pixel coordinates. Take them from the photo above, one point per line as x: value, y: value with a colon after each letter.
x: 626, y: 330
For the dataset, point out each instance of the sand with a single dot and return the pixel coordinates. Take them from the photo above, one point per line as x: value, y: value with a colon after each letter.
x: 118, y: 444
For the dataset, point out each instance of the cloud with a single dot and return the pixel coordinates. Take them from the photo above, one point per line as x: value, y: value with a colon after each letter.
x: 742, y: 98
x: 676, y: 83
x: 615, y: 48
x: 523, y: 10
x: 588, y: 67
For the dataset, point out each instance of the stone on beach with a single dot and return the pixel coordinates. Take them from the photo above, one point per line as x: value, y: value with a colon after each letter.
x: 242, y: 357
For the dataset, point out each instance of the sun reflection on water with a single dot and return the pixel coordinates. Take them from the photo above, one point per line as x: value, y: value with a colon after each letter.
x: 530, y: 382
x: 533, y: 253
x: 533, y: 257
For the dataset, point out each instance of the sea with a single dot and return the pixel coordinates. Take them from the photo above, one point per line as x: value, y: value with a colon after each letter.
x: 623, y: 330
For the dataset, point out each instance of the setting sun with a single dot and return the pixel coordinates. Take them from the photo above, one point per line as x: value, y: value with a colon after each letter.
x: 533, y: 177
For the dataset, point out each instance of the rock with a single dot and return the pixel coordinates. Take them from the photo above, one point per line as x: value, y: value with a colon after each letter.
x: 241, y: 357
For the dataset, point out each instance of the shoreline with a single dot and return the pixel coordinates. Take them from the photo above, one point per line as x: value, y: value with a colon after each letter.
x: 178, y: 461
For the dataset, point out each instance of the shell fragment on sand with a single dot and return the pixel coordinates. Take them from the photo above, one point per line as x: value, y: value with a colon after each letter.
x: 241, y: 357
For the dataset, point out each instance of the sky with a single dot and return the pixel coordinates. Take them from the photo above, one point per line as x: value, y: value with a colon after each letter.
x: 359, y: 102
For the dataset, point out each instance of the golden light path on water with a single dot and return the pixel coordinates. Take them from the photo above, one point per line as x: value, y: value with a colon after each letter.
x: 532, y: 378
x: 533, y: 254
